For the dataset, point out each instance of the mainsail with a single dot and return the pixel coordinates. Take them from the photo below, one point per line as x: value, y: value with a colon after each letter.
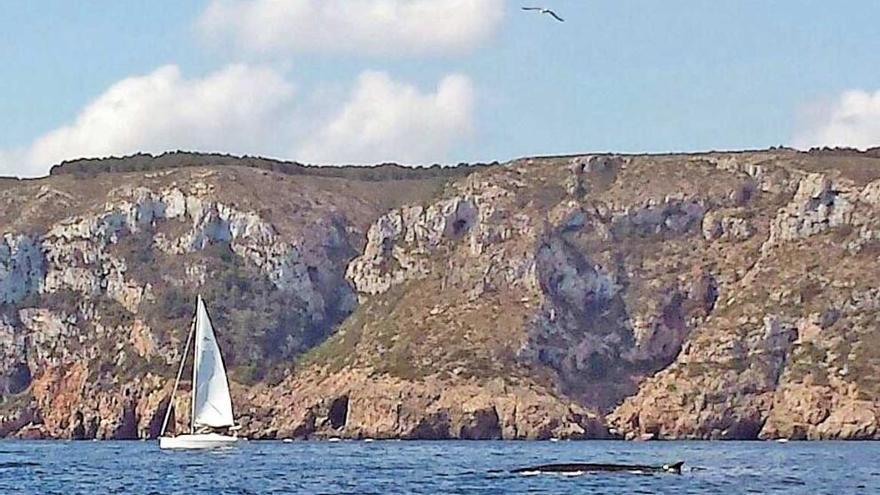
x: 212, y: 405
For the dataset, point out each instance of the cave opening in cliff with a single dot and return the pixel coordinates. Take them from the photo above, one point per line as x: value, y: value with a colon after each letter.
x: 154, y: 427
x: 78, y: 429
x: 463, y: 218
x: 459, y: 226
x: 338, y: 414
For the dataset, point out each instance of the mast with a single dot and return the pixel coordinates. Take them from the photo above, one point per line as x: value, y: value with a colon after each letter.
x: 192, y: 417
x: 192, y: 329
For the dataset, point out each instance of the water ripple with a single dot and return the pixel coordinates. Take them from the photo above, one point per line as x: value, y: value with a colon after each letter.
x: 435, y: 467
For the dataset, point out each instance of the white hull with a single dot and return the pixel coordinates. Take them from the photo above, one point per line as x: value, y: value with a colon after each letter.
x: 197, y: 441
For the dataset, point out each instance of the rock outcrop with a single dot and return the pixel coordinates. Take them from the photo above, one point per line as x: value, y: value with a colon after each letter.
x: 353, y: 405
x: 719, y: 295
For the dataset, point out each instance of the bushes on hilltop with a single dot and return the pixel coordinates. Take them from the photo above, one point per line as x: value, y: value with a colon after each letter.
x: 143, y: 162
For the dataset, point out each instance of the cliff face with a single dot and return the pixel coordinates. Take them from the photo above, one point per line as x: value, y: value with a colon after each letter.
x: 687, y: 296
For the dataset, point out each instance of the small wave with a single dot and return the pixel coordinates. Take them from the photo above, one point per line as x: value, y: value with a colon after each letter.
x: 20, y: 464
x: 789, y: 480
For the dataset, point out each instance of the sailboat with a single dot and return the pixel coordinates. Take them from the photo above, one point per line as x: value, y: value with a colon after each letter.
x: 211, y: 403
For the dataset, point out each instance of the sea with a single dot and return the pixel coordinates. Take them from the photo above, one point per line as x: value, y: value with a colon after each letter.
x: 416, y: 467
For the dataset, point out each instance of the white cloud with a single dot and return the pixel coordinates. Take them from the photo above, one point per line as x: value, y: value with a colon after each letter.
x: 385, y: 120
x: 374, y: 27
x: 231, y: 108
x: 852, y: 120
x: 252, y: 110
x: 11, y: 164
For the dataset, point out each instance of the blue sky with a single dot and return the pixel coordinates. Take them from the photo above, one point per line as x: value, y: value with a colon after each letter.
x: 460, y: 80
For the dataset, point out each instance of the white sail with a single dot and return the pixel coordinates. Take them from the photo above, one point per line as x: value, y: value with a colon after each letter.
x: 212, y: 405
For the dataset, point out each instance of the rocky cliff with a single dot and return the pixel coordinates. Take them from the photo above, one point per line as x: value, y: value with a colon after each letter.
x: 716, y: 295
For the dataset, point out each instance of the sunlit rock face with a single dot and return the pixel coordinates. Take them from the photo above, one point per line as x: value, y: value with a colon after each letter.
x: 717, y: 295
x: 816, y: 207
x: 22, y: 267
x: 108, y: 287
x: 400, y: 244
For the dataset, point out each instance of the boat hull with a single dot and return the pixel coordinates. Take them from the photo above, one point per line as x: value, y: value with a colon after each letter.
x: 197, y: 441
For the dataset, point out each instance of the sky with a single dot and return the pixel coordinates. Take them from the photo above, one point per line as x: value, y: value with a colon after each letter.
x: 432, y: 81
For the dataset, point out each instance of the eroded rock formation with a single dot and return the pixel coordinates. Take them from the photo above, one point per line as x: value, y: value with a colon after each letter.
x: 720, y: 295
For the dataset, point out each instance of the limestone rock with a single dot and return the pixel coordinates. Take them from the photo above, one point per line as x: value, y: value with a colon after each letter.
x: 21, y: 267
x: 726, y: 228
x: 355, y: 406
x: 713, y: 295
x: 816, y: 207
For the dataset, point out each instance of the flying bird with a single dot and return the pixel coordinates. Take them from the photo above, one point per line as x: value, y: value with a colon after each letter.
x: 545, y: 11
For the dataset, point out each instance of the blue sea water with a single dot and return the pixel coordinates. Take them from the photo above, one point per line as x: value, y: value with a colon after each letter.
x: 393, y: 467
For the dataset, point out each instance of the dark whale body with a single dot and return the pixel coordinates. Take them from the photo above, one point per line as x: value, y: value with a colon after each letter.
x: 605, y: 468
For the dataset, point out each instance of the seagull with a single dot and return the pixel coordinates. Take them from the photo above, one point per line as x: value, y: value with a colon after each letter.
x: 545, y: 11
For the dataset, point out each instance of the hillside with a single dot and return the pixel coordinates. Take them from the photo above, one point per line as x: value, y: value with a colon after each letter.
x: 714, y: 295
